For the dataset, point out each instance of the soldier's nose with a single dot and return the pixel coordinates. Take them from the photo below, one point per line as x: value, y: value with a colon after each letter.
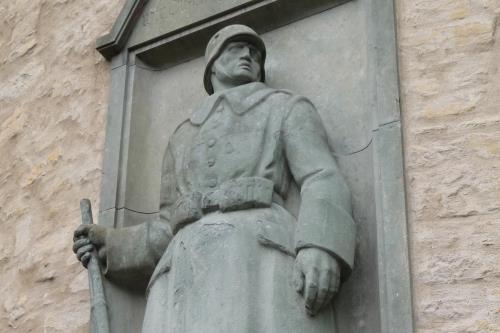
x: 246, y: 57
x: 245, y: 52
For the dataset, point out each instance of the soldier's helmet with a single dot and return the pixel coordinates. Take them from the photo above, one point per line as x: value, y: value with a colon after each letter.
x: 231, y: 33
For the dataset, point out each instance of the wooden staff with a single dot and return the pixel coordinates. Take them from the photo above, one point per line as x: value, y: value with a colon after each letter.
x: 98, y: 308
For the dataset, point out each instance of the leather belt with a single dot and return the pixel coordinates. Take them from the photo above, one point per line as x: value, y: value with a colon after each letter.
x: 235, y: 194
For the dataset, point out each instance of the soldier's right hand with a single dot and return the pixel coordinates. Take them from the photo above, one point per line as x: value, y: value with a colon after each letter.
x: 88, y: 238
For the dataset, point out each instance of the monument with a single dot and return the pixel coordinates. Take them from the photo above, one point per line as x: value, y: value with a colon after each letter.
x: 240, y: 218
x: 225, y: 253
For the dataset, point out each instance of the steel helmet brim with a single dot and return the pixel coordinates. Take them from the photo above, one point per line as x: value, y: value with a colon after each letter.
x: 215, y: 48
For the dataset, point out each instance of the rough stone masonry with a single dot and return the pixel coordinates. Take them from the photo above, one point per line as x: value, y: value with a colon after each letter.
x: 450, y: 81
x: 53, y: 100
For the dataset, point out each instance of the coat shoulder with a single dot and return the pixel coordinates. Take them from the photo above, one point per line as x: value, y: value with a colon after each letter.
x: 290, y: 98
x: 182, y: 133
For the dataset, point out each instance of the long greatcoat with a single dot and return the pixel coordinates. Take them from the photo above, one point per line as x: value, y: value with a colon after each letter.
x: 231, y: 272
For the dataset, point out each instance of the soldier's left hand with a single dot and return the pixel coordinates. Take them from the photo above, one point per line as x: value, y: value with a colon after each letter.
x: 317, y: 277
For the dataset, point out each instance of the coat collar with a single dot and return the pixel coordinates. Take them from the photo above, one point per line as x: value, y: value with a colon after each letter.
x: 240, y: 99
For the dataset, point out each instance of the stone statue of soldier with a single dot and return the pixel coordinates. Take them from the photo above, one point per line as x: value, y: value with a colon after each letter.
x: 225, y: 255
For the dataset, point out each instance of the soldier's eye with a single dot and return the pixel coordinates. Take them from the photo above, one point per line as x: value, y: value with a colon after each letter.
x: 255, y: 53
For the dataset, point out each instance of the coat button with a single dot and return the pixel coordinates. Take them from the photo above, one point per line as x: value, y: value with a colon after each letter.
x: 211, y: 162
x: 211, y: 142
x: 212, y: 183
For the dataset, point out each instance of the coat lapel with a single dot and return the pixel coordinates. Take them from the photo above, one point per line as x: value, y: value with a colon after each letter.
x: 201, y: 114
x: 241, y: 99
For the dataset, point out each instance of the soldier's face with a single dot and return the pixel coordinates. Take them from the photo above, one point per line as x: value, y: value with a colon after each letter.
x: 238, y: 64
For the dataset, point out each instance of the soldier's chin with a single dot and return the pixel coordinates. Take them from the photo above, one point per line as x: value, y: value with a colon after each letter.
x: 245, y: 77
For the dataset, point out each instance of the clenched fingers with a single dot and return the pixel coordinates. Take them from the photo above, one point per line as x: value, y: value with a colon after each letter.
x: 325, y: 278
x: 333, y: 288
x: 311, y: 286
x: 81, y: 231
x: 84, y: 249
x: 79, y: 243
x: 298, y: 279
x: 85, y: 259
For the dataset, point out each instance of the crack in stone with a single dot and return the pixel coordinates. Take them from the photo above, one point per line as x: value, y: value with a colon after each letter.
x: 130, y: 210
x: 362, y: 149
x: 386, y: 124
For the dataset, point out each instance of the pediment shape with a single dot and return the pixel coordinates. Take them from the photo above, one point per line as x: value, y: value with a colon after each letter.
x: 145, y: 21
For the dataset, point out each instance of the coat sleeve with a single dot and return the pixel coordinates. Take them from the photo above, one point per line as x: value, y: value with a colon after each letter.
x: 133, y: 252
x: 325, y: 219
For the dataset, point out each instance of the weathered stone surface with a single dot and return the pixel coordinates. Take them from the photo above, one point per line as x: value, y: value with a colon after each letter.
x: 53, y: 99
x: 449, y: 62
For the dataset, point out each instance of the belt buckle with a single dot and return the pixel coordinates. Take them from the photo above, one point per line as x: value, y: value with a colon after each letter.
x: 210, y: 202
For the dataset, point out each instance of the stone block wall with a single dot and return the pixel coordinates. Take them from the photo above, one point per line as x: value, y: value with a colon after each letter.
x: 53, y: 100
x: 450, y: 83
